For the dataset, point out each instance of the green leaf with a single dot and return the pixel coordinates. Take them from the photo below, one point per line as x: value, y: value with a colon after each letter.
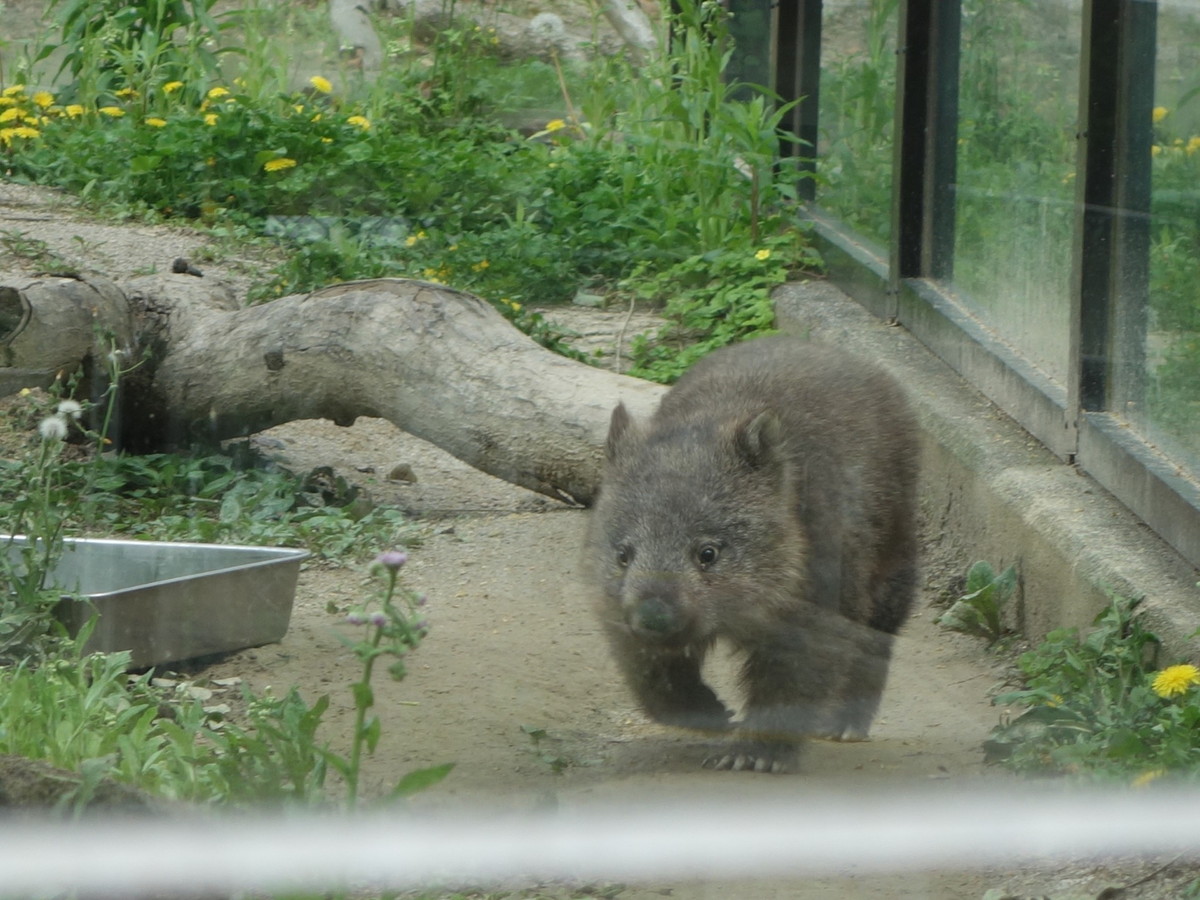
x: 364, y: 697
x: 140, y: 165
x: 420, y: 779
x: 371, y: 733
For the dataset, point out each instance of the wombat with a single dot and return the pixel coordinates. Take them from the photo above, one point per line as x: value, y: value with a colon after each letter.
x: 770, y: 502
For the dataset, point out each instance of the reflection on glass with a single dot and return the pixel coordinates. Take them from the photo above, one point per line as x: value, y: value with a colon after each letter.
x: 1172, y: 414
x: 858, y: 91
x: 1015, y: 192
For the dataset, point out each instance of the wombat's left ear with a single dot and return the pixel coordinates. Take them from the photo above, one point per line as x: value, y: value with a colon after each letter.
x: 620, y: 430
x: 758, y: 439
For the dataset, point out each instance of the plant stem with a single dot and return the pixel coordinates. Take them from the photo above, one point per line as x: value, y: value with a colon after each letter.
x: 362, y: 702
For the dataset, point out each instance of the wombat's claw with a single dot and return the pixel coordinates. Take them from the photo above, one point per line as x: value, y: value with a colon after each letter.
x: 743, y: 762
x: 848, y: 735
x: 852, y: 735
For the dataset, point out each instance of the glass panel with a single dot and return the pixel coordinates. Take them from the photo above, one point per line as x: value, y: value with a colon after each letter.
x: 1015, y: 192
x: 750, y: 28
x: 858, y: 92
x: 1172, y: 414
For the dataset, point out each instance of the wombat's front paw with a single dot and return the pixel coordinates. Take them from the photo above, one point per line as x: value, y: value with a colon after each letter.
x: 755, y: 756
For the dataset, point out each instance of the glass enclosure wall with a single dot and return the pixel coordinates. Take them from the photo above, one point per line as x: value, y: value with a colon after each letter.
x: 1015, y: 190
x: 1171, y: 412
x: 1024, y: 178
x: 858, y: 93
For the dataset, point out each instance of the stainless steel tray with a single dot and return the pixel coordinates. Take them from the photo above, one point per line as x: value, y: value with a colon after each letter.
x: 165, y: 602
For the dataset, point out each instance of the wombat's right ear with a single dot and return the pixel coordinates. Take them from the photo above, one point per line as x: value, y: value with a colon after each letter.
x: 758, y: 440
x: 620, y: 430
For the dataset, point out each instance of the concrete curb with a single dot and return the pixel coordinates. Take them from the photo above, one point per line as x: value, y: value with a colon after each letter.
x: 997, y: 494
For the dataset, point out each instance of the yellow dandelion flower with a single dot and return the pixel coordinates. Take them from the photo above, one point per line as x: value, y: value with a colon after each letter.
x: 127, y: 93
x: 321, y: 84
x: 211, y: 119
x: 279, y: 163
x: 43, y: 99
x: 217, y: 93
x: 12, y: 114
x: 1156, y: 150
x: 156, y: 122
x: 299, y: 108
x: 7, y: 101
x: 13, y: 90
x: 171, y: 87
x: 1146, y: 777
x: 481, y: 265
x: 361, y: 121
x: 1175, y: 680
x: 762, y: 254
x: 73, y: 110
x: 326, y: 140
x: 115, y: 111
x: 316, y: 118
x: 555, y: 125
x: 1160, y: 113
x: 1193, y: 145
x: 21, y: 131
x: 412, y: 239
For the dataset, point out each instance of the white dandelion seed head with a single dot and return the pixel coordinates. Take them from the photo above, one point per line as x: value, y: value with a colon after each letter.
x: 70, y: 408
x: 53, y: 428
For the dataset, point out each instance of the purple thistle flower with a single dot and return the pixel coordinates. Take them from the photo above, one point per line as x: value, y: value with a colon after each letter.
x: 392, y: 559
x: 378, y: 619
x: 356, y: 618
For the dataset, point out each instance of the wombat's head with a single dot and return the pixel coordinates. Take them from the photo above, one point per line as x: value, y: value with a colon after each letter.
x: 694, y: 534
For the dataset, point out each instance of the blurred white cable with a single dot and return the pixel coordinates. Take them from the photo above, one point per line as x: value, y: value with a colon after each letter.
x: 824, y: 834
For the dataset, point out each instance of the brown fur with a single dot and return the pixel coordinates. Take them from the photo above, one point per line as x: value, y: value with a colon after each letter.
x: 770, y: 503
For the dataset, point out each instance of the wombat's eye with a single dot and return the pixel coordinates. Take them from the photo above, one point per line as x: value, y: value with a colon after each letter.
x: 707, y: 555
x: 624, y: 555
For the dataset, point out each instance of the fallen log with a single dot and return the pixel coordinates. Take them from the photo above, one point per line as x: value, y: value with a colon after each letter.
x: 439, y: 363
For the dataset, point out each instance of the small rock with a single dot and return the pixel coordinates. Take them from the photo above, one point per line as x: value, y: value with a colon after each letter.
x: 403, y: 472
x: 584, y: 298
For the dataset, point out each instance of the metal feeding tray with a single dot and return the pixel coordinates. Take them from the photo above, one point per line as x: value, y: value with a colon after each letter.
x: 165, y: 602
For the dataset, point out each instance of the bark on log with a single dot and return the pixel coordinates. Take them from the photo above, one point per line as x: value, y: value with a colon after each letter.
x: 633, y: 25
x: 356, y: 35
x: 440, y: 364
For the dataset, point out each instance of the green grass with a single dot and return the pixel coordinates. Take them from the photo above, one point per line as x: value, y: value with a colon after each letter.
x: 1098, y: 706
x: 417, y: 175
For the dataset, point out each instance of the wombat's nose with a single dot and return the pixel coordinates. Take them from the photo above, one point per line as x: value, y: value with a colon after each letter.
x: 654, y: 617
